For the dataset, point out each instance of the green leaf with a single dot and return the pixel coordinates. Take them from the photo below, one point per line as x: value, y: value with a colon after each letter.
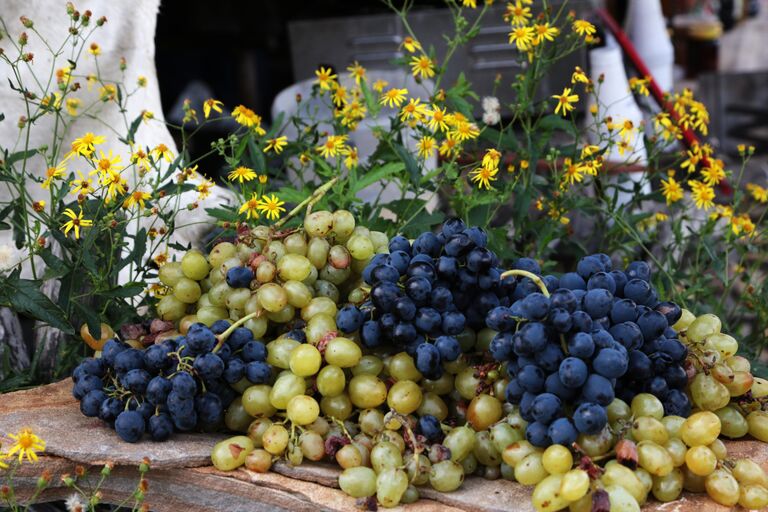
x: 127, y: 290
x: 91, y: 318
x: 130, y: 138
x: 414, y: 171
x: 293, y: 195
x: 24, y: 296
x: 55, y: 266
x: 18, y: 222
x: 377, y: 174
x: 19, y: 155
x: 139, y: 248
x: 225, y: 214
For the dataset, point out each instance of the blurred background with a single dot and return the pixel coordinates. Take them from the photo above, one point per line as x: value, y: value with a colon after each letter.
x: 247, y: 52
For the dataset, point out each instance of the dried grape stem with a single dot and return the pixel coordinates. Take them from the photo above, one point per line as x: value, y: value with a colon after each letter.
x: 223, y: 336
x: 530, y: 275
x: 310, y: 201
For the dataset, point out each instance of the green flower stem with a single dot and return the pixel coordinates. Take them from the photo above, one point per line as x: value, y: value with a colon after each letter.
x: 308, y: 202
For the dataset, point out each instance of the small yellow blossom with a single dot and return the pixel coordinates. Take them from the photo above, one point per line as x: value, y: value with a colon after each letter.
x: 463, y: 131
x: 75, y: 222
x: 437, y: 119
x: 38, y: 206
x: 351, y: 159
x: 522, y: 37
x: 141, y: 81
x: 357, y: 72
x: 564, y: 101
x: 483, y: 177
x: 449, y: 148
x: 742, y: 224
x: 544, y: 32
x: 427, y: 146
x: 147, y: 115
x: 94, y: 49
x: 414, y: 110
x: 107, y: 162
x: 339, y: 96
x: 584, y: 28
x: 379, y: 85
x: 325, y: 78
x: 115, y: 183
x: 251, y: 207
x: 82, y: 186
x: 242, y: 174
x: 625, y: 130
x: 491, y: 158
x: 758, y: 193
x: 137, y: 197
x: 52, y: 173
x: 26, y: 443
x: 517, y: 14
x: 140, y: 158
x: 277, y: 145
x: 472, y: 4
x: 248, y: 118
x: 85, y: 145
x: 572, y: 173
x: 108, y: 92
x: 639, y: 85
x: 161, y: 151
x: 204, y: 188
x: 332, y: 145
x: 703, y: 195
x: 422, y: 67
x: 271, y: 206
x: 410, y: 44
x: 393, y: 97
x: 263, y: 179
x: 671, y: 190
x: 211, y: 104
x: 579, y: 76
x: 714, y: 173
x: 72, y: 104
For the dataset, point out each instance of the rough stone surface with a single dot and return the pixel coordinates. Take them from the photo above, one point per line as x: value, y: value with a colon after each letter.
x: 55, y: 416
x: 182, y: 480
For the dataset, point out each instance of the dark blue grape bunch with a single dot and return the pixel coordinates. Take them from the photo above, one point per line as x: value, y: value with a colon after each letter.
x: 428, y: 294
x: 180, y: 385
x: 573, y: 344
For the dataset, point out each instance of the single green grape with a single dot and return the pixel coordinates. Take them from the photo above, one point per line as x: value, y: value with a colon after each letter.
x: 256, y: 401
x: 386, y: 455
x: 483, y: 411
x: 312, y: 445
x: 170, y: 273
x: 230, y: 453
x: 557, y: 459
x: 700, y: 429
x: 404, y: 396
x: 256, y: 430
x: 546, y: 495
x: 302, y: 410
x: 391, y: 484
x: 733, y: 423
x: 275, y: 439
x: 331, y: 381
x: 318, y: 223
x: 645, y: 404
x: 258, y: 460
x: 171, y: 308
x: 358, y: 482
x: 722, y: 487
x: 286, y: 387
x: 194, y: 265
x: 461, y: 441
x: 342, y: 352
x: 575, y: 484
x: 279, y: 352
x: 339, y: 406
x: 305, y: 360
x: 367, y: 391
x: 446, y: 476
x: 654, y: 458
x: 530, y: 470
x: 237, y: 418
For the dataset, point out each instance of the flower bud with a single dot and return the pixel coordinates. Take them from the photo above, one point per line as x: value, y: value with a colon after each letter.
x: 26, y: 22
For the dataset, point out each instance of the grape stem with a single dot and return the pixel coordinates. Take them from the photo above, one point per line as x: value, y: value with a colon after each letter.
x: 308, y: 202
x: 223, y: 336
x: 530, y: 275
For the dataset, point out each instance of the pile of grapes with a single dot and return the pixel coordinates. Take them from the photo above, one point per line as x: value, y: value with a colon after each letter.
x: 412, y: 363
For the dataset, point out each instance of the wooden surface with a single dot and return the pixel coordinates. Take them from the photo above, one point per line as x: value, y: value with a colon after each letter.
x: 182, y: 479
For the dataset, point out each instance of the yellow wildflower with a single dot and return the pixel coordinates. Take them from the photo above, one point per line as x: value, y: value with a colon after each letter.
x: 449, y: 148
x: 107, y: 162
x: 427, y: 146
x: 694, y: 157
x: 393, y: 97
x: 137, y: 197
x: 758, y: 193
x: 714, y: 173
x: 379, y: 85
x: 115, y: 183
x: 703, y: 195
x: 625, y: 132
x: 108, y: 92
x: 271, y: 206
x: 251, y: 207
x: 241, y: 174
x: 422, y: 67
x: 332, y: 145
x: 351, y: 159
x: 572, y: 173
x: 339, y: 96
x: 263, y: 179
x: 72, y: 104
x: 671, y: 190
x: 85, y: 145
x: 204, y: 188
x: 357, y: 72
x: 26, y: 443
x: 325, y: 78
x: 742, y: 224
x: 661, y: 216
x: 164, y: 152
x: 639, y: 85
x: 211, y: 104
x: 410, y: 44
x: 248, y: 118
x: 437, y: 119
x: 82, y: 186
x: 472, y: 4
x: 464, y: 130
x: 94, y: 49
x: 141, y: 81
x: 277, y: 145
x: 483, y: 177
x: 414, y: 110
x: 516, y: 14
x: 140, y: 158
x: 522, y: 37
x: 584, y: 28
x: 491, y: 158
x: 52, y: 173
x: 544, y: 32
x: 75, y: 222
x: 579, y: 76
x: 564, y: 101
